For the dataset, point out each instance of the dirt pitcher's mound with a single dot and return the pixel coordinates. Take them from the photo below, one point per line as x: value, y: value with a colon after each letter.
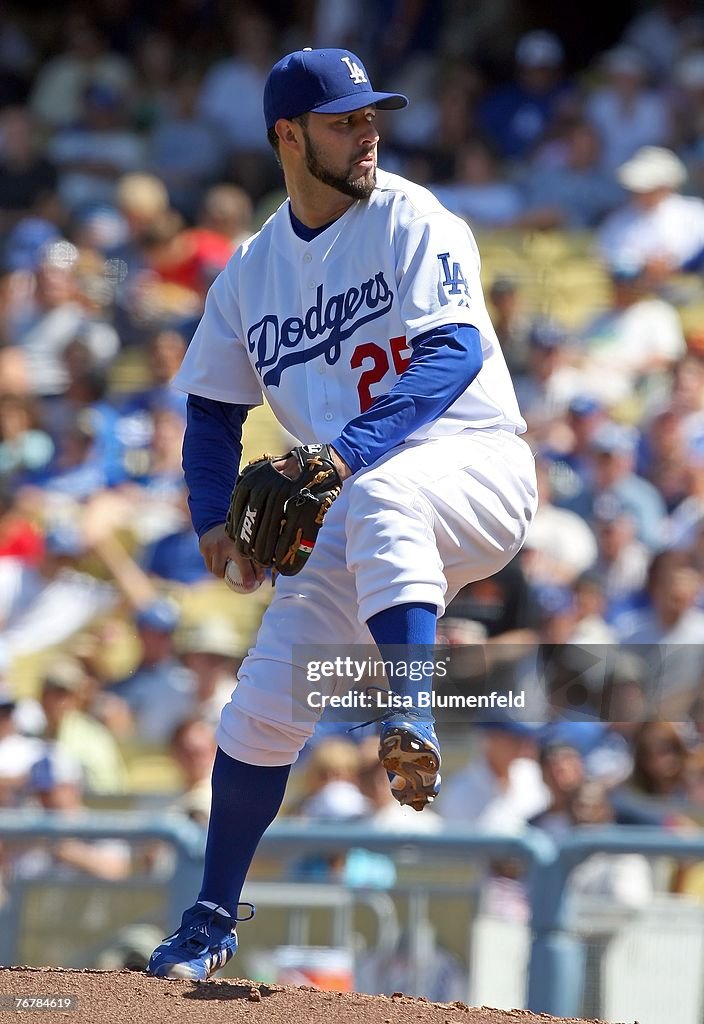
x: 107, y: 996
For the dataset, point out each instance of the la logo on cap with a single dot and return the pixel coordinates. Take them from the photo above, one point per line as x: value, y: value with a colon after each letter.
x: 356, y: 73
x: 319, y: 81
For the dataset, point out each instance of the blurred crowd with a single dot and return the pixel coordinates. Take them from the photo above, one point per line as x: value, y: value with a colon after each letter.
x: 133, y: 161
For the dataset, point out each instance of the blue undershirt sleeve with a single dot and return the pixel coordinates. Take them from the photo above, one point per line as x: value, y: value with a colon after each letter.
x: 444, y: 363
x: 212, y: 448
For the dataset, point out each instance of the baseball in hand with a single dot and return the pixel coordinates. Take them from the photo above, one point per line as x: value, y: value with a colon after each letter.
x: 233, y: 578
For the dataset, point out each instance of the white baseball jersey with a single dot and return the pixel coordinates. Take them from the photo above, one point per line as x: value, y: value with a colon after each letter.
x: 323, y: 327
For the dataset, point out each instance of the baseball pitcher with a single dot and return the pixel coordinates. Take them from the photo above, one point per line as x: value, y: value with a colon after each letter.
x: 357, y: 311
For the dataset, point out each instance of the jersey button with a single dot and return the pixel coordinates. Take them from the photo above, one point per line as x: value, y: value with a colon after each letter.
x: 307, y: 258
x: 311, y: 284
x: 328, y: 416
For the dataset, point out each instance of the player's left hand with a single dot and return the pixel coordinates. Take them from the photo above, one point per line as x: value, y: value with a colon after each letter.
x: 279, y: 504
x: 290, y: 467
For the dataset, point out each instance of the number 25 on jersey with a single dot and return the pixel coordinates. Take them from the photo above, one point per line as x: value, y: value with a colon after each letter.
x: 376, y: 360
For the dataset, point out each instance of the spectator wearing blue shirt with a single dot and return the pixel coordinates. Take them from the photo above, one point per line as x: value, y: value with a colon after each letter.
x: 85, y: 406
x: 516, y: 116
x: 571, y: 469
x: 85, y: 462
x: 577, y: 193
x: 623, y: 560
x: 160, y: 692
x: 614, y: 447
x: 165, y: 351
x: 186, y: 149
x: 176, y: 556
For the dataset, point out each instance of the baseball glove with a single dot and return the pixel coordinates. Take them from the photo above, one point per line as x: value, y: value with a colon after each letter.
x: 274, y: 520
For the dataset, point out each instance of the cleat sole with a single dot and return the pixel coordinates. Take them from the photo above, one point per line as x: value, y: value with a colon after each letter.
x: 414, y: 764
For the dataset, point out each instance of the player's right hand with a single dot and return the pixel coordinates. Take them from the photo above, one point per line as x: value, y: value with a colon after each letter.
x: 217, y: 549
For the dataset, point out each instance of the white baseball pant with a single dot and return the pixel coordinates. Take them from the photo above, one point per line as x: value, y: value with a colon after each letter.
x: 425, y: 520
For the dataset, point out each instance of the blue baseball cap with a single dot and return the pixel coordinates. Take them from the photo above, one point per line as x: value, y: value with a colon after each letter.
x: 554, y: 598
x: 614, y: 438
x: 547, y: 335
x: 329, y: 81
x: 27, y: 243
x: 584, y: 405
x: 581, y: 736
x: 162, y: 615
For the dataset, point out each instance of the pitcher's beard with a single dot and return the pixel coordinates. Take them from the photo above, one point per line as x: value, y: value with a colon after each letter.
x: 360, y: 187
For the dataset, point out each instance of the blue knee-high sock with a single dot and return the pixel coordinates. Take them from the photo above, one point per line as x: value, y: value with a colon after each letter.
x: 406, y: 633
x: 246, y: 798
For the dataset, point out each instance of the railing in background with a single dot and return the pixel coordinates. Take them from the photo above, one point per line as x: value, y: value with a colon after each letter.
x: 178, y: 832
x: 557, y: 962
x: 557, y: 966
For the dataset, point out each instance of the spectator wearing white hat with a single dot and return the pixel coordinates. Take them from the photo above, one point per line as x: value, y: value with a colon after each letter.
x: 658, y: 228
x: 56, y: 310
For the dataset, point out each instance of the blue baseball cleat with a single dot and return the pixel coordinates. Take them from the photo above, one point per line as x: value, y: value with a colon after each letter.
x: 409, y: 750
x: 204, y: 942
